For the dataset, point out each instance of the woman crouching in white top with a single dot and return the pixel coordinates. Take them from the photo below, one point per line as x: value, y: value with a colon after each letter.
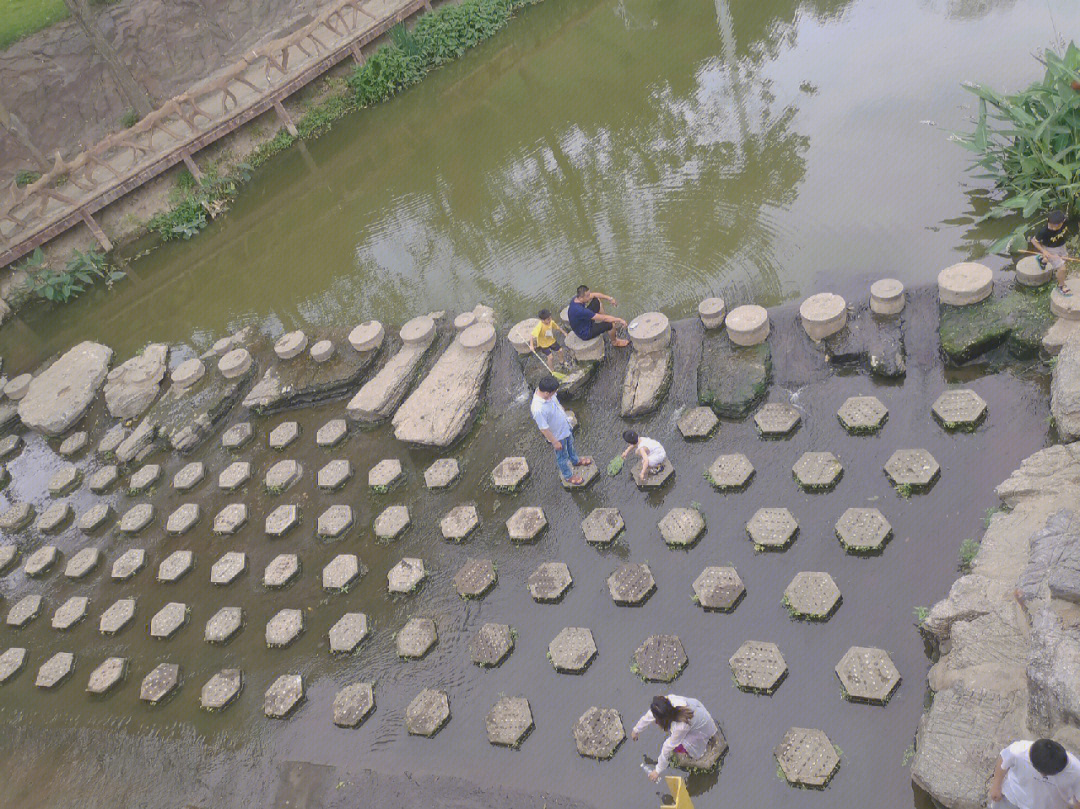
x: 688, y: 725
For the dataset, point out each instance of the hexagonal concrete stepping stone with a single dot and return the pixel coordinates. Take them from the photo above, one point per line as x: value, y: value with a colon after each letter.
x: 509, y: 721
x: 602, y: 526
x: 41, y: 561
x: 416, y: 638
x: 82, y: 563
x: 64, y: 480
x: 332, y: 433
x: 237, y: 436
x: 282, y: 570
x: 9, y: 445
x: 758, y: 667
x: 230, y: 519
x: 427, y: 713
x: 284, y: 628
x: 348, y: 632
x: 959, y: 409
x: 117, y: 616
x: 406, y: 576
x: 221, y: 689
x: 223, y: 625
x: 282, y: 475
x: 107, y: 676
x: 549, y: 582
x: 391, y: 523
x: 144, y: 478
x: 491, y: 645
x: 168, y: 620
x: 776, y: 420
x: 56, y: 517
x: 160, y: 683
x: 459, y: 522
x: 660, y: 659
x: 526, y: 523
x: 283, y: 696
x: 228, y: 567
x: 718, y: 588
x: 912, y: 470
x: 863, y: 530
x: 136, y: 518
x: 234, y: 476
x: 70, y: 613
x: 598, y: 733
x: 631, y: 584
x: 772, y: 529
x: 442, y: 473
x: 128, y: 564
x: 284, y: 434
x: 867, y: 675
x: 8, y: 554
x: 353, y: 704
x: 189, y: 477
x: 103, y: 479
x: 24, y: 611
x: 175, y: 566
x: 282, y: 520
x: 74, y: 444
x: 384, y: 475
x: 183, y: 519
x: 588, y: 474
x: 682, y: 527
x: 341, y: 573
x: 334, y: 474
x: 11, y: 663
x: 862, y: 415
x: 817, y: 471
x: 475, y: 578
x: 697, y: 423
x: 94, y: 517
x: 807, y: 758
x: 334, y: 522
x: 730, y: 472
x: 655, y: 480
x: 510, y: 474
x: 55, y: 670
x: 572, y: 650
x: 814, y: 596
x: 16, y: 517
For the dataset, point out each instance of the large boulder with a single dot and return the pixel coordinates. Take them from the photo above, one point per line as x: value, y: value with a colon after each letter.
x: 1053, y: 674
x: 131, y: 387
x: 1065, y: 390
x: 732, y: 379
x: 60, y: 395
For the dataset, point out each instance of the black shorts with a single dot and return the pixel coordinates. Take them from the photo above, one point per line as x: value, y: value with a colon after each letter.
x: 556, y: 346
x: 595, y: 328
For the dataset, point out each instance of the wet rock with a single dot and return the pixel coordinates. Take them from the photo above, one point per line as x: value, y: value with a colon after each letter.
x: 817, y: 471
x: 406, y: 576
x: 660, y: 659
x: 862, y: 415
x: 183, y: 519
x: 1019, y: 318
x: 234, y: 476
x: 189, y: 477
x: 55, y: 670
x: 136, y: 518
x: 1052, y: 671
x: 60, y: 395
x: 475, y: 578
x: 237, y: 436
x: 384, y: 475
x: 549, y: 582
x: 491, y: 645
x: 74, y: 444
x: 1065, y: 391
x: 282, y: 475
x: 631, y: 584
x: 160, y: 683
x: 282, y: 570
x: 70, y: 613
x: 378, y: 399
x: 416, y: 638
x: 348, y: 632
x: 168, y: 620
x: 128, y: 564
x: 391, y: 523
x: 283, y: 696
x: 11, y: 663
x: 284, y: 628
x: 758, y: 667
x: 648, y: 377
x: 867, y: 675
x: 509, y: 721
x: 117, y: 616
x: 24, y: 611
x: 912, y: 470
x: 427, y: 713
x: 175, y: 566
x: 334, y: 522
x: 718, y: 588
x: 863, y: 530
x: 82, y: 563
x: 442, y: 473
x: 730, y: 472
x: 8, y: 554
x: 230, y: 519
x: 682, y: 527
x: 459, y: 522
x: 959, y: 409
x: 41, y: 561
x: 572, y: 650
x: 334, y: 474
x: 16, y: 517
x: 598, y: 733
x: 10, y: 445
x: 510, y: 474
x: 107, y: 676
x: 282, y: 520
x: 732, y: 379
x: 353, y: 704
x: 221, y: 689
x: 103, y: 479
x: 131, y: 387
x: 15, y: 389
x: 875, y: 343
x: 225, y: 570
x: 332, y: 433
x: 602, y: 526
x: 807, y: 758
x: 1057, y: 335
x: 814, y: 596
x: 526, y: 523
x: 697, y: 423
x: 137, y: 441
x: 65, y: 479
x: 341, y: 572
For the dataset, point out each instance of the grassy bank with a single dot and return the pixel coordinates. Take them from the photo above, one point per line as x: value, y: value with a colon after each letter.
x: 19, y: 18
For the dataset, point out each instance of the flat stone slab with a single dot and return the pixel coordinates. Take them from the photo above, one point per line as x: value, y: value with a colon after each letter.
x: 509, y: 721
x: 282, y: 570
x: 221, y: 689
x: 282, y: 520
x: 427, y: 713
x: 73, y: 444
x: 384, y: 475
x: 144, y: 478
x: 234, y: 476
x: 491, y: 645
x: 228, y: 567
x: 863, y: 530
x: 549, y: 582
x: 353, y: 704
x: 867, y: 675
x: 862, y: 415
x: 56, y: 517
x: 660, y: 659
x: 598, y: 733
x: 391, y: 523
x: 475, y: 578
x: 24, y: 611
x: 406, y: 576
x: 117, y: 616
x: 284, y: 628
x: 758, y: 667
x: 730, y: 472
x: 631, y: 584
x: 237, y: 436
x: 648, y: 376
x: 718, y: 588
x: 223, y: 625
x: 334, y: 522
x: 526, y: 524
x: 459, y: 522
x: 776, y: 420
x: 16, y: 517
x: 510, y: 474
x: 41, y: 561
x: 64, y: 480
x: 103, y: 479
x: 11, y: 663
x: 416, y: 638
x: 813, y: 596
x: 55, y: 670
x: 283, y: 696
x: 912, y: 470
x: 341, y: 573
x: 109, y: 674
x: 82, y: 563
x: 60, y: 395
x: 70, y: 613
x: 807, y: 758
x: 602, y: 526
x: 817, y: 471
x: 959, y: 409
x: 348, y: 632
x: 772, y: 528
x: 380, y: 396
x: 732, y: 379
x: 175, y: 566
x: 160, y: 683
x: 334, y: 474
x: 183, y: 519
x: 332, y: 433
x: 682, y: 527
x: 168, y: 620
x: 572, y: 650
x: 442, y: 473
x: 94, y: 517
x: 230, y: 519
x: 283, y: 435
x: 128, y: 564
x: 697, y: 423
x: 136, y: 518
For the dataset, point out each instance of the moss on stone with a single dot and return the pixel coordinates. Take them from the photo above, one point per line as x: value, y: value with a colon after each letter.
x: 733, y: 379
x: 1020, y: 319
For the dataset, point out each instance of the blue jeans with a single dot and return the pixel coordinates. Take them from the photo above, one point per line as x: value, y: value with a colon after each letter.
x: 566, y: 457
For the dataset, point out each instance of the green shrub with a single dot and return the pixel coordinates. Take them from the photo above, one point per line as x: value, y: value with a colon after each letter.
x: 195, y: 203
x: 24, y: 177
x: 969, y: 549
x: 129, y: 118
x: 81, y: 271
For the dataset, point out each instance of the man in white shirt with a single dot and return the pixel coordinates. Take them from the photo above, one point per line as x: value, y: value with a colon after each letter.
x: 554, y: 425
x: 1036, y: 775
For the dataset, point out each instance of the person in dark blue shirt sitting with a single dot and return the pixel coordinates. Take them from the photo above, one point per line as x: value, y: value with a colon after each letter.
x: 587, y: 318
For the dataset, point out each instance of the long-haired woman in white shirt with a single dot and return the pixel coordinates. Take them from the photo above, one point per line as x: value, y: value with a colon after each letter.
x: 688, y: 725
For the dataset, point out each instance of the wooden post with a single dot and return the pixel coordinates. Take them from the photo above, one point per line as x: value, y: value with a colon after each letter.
x: 192, y: 166
x: 357, y: 53
x: 99, y: 234
x: 283, y: 114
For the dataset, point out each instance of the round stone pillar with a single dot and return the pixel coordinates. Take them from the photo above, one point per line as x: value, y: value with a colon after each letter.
x: 747, y: 325
x: 1031, y: 273
x: 418, y: 330
x: 650, y: 332
x: 367, y: 336
x: 235, y: 363
x: 965, y: 283
x: 187, y: 373
x: 823, y: 315
x: 887, y: 297
x: 519, y: 335
x: 290, y: 345
x: 479, y: 337
x: 712, y: 311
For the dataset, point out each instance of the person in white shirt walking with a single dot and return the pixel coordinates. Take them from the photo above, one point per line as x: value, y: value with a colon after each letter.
x: 1036, y: 775
x: 554, y: 425
x: 688, y: 725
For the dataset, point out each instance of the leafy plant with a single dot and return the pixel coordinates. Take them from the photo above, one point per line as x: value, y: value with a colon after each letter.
x: 969, y: 549
x: 129, y: 118
x: 615, y: 466
x: 24, y: 177
x: 81, y: 271
x: 921, y: 614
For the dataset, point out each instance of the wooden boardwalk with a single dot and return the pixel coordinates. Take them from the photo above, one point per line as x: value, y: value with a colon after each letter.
x: 73, y: 191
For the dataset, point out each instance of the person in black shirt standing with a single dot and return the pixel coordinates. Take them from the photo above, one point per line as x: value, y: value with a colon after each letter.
x: 1050, y: 244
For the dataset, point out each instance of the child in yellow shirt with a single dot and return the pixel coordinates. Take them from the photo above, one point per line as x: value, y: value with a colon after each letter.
x: 543, y: 339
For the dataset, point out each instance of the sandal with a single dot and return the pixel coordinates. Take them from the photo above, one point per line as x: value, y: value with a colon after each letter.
x: 577, y: 480
x: 584, y: 462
